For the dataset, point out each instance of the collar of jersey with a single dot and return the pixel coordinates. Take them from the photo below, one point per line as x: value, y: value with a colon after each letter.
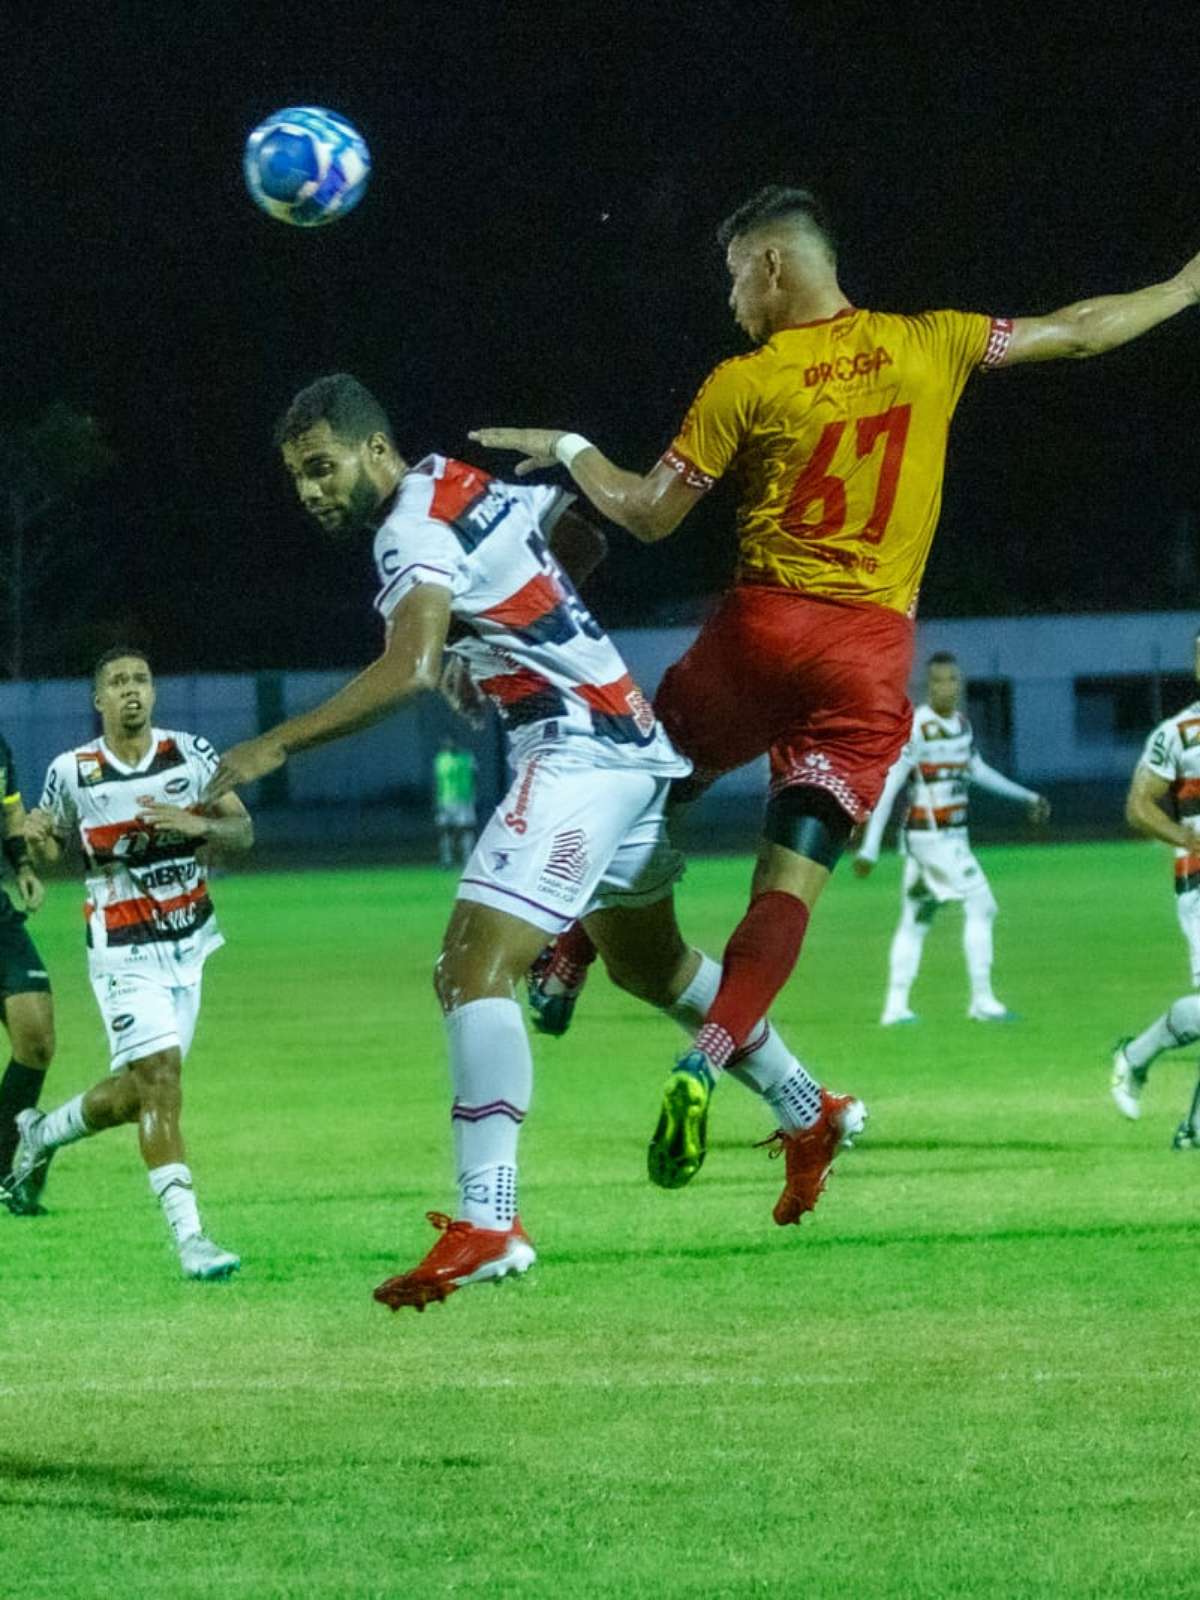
x: 123, y: 766
x: 846, y: 311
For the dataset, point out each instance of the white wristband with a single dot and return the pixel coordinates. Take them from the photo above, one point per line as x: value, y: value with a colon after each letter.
x: 569, y: 446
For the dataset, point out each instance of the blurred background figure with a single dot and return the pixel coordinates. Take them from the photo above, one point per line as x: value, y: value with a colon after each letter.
x: 455, y: 773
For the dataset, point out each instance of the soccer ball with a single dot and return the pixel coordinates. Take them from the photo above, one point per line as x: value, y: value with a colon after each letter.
x: 306, y: 166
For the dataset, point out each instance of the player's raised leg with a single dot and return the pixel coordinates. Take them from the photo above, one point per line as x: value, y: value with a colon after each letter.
x: 1179, y: 1025
x: 485, y: 954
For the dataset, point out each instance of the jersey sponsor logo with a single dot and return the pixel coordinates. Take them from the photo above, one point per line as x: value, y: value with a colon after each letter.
x: 851, y: 560
x: 121, y: 1023
x: 845, y: 369
x: 177, y: 785
x: 515, y: 819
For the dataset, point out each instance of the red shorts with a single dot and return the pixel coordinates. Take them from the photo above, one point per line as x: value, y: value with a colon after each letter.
x: 820, y: 686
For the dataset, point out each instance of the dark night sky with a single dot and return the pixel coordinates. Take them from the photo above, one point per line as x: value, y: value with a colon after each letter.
x: 537, y: 247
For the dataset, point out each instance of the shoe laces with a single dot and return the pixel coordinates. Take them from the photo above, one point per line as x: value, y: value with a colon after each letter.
x: 446, y: 1224
x: 774, y: 1144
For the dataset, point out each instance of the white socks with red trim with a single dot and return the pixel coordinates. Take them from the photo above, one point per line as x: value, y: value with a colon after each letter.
x: 765, y: 1066
x: 491, y: 1074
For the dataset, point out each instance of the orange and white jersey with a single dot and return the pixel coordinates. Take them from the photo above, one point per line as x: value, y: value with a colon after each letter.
x: 1173, y: 753
x: 147, y: 894
x: 937, y: 765
x: 837, y: 433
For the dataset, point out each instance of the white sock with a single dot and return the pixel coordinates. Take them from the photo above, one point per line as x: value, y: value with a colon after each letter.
x: 63, y: 1125
x: 978, y: 916
x: 491, y: 1073
x: 1178, y: 1026
x: 172, y: 1185
x: 765, y: 1065
x: 904, y: 956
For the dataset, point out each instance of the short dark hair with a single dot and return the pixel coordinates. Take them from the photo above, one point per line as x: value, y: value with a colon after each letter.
x: 350, y: 409
x: 770, y: 204
x: 118, y: 653
x: 942, y: 658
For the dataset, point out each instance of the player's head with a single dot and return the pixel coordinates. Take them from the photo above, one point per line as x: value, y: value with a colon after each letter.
x: 337, y: 444
x: 123, y: 691
x: 943, y: 682
x: 778, y: 246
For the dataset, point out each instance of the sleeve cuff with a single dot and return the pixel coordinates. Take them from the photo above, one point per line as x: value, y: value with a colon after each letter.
x: 687, y: 470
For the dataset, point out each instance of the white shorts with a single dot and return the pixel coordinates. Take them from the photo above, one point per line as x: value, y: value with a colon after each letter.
x: 1187, y: 907
x: 941, y: 867
x: 145, y: 1012
x: 570, y: 838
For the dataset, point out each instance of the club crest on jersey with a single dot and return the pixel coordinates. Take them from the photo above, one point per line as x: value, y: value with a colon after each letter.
x: 90, y: 769
x: 1189, y: 733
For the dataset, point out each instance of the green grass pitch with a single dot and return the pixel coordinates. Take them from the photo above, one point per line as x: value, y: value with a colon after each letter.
x: 973, y: 1372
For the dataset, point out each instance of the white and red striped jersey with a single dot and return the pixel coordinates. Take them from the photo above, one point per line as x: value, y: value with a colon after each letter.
x: 529, y: 642
x: 937, y: 765
x: 1173, y: 752
x: 146, y: 891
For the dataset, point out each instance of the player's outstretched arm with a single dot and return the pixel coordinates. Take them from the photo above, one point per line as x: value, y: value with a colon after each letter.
x: 648, y: 507
x: 1143, y: 810
x: 409, y: 665
x: 1090, y: 327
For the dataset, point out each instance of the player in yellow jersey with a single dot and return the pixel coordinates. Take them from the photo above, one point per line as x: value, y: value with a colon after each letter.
x: 836, y: 427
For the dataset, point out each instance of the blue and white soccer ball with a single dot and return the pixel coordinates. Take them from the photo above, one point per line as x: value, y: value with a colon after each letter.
x: 306, y: 166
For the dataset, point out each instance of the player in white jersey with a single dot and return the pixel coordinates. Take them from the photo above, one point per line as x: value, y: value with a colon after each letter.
x: 1164, y: 803
x: 133, y: 800
x: 465, y: 562
x: 937, y: 765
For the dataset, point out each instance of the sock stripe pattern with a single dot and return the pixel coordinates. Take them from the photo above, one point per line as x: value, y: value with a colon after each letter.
x: 494, y: 1108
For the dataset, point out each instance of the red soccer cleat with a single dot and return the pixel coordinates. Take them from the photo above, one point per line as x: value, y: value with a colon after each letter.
x: 809, y: 1153
x: 464, y: 1254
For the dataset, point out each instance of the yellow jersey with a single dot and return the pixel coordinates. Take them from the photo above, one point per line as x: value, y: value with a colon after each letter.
x: 837, y: 433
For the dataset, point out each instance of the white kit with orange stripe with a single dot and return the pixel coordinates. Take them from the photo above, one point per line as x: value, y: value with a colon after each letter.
x: 582, y: 826
x: 937, y: 765
x: 1173, y: 753
x: 147, y: 894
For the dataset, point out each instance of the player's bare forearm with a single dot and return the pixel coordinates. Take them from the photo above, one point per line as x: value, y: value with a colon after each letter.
x: 1090, y: 327
x: 1144, y: 813
x: 378, y: 691
x: 39, y: 834
x: 649, y: 507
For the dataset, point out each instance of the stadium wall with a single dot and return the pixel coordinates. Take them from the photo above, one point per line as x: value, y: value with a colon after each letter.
x: 1064, y: 703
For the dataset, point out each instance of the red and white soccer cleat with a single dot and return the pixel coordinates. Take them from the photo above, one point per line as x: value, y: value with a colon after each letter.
x: 809, y: 1153
x: 464, y: 1254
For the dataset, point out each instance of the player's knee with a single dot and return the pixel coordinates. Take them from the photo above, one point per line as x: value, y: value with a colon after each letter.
x: 981, y: 906
x: 810, y: 823
x: 34, y: 1047
x: 1184, y: 1019
x: 157, y: 1076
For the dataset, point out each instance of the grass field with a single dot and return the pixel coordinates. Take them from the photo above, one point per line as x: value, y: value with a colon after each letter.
x: 971, y: 1373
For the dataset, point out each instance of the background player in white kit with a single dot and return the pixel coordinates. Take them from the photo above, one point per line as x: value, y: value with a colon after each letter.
x: 133, y: 800
x: 464, y: 561
x: 937, y: 765
x: 1164, y: 803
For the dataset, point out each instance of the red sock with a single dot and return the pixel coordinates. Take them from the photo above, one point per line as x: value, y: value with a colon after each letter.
x: 758, y: 962
x: 574, y: 953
